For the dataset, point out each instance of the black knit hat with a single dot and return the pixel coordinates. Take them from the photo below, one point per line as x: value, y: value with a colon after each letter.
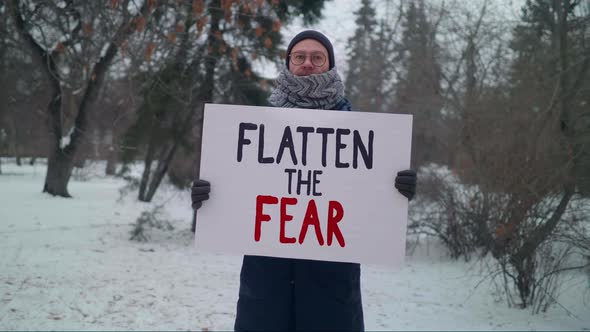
x: 315, y: 35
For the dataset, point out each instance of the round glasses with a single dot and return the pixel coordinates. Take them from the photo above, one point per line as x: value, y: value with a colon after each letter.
x: 318, y: 59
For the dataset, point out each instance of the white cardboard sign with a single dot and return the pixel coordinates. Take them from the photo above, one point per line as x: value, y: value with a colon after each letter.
x: 300, y: 183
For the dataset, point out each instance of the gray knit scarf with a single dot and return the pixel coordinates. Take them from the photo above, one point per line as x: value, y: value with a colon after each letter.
x: 317, y: 91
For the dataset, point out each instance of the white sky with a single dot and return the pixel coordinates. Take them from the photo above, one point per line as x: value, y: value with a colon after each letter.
x: 338, y: 24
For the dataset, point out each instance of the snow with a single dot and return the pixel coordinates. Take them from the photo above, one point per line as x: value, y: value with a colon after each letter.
x: 65, y: 140
x: 134, y: 6
x: 104, y: 50
x: 78, y: 47
x: 68, y: 264
x: 65, y: 70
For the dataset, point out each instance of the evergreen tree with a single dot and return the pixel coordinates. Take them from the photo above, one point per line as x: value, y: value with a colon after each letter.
x: 551, y: 77
x: 216, y: 67
x: 369, y: 61
x: 358, y: 82
x: 418, y: 90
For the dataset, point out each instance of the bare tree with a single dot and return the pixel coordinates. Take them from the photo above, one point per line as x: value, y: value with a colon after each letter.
x: 64, y: 43
x: 518, y: 145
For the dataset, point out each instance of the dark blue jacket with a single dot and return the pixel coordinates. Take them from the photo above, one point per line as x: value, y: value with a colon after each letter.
x: 282, y: 294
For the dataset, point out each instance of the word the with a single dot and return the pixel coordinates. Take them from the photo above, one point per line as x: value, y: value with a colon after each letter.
x: 301, y: 181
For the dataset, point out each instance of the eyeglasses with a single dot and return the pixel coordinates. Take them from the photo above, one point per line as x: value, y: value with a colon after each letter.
x: 318, y: 59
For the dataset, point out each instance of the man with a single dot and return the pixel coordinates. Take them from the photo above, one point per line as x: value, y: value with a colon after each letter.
x: 293, y: 294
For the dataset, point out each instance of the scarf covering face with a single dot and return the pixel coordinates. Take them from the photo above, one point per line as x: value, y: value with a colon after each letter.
x: 316, y: 91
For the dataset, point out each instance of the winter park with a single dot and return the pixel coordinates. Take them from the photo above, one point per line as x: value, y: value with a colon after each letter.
x: 289, y: 164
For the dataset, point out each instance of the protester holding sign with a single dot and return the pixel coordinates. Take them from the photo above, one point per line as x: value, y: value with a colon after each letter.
x: 286, y: 293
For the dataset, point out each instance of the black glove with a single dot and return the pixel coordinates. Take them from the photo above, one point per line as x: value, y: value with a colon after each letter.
x: 200, y: 192
x: 405, y: 182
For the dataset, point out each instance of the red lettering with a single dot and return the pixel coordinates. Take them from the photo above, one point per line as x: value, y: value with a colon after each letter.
x: 261, y: 217
x: 286, y: 217
x: 311, y: 218
x: 333, y: 220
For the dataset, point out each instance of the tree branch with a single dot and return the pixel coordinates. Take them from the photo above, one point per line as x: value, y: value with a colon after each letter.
x: 542, y: 232
x: 99, y: 71
x: 48, y: 66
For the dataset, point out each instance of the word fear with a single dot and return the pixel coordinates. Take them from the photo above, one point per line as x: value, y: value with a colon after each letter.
x: 311, y: 218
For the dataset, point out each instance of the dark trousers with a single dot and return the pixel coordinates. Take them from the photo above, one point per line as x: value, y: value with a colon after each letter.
x: 292, y: 294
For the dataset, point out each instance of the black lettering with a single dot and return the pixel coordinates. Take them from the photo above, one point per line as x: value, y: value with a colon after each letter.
x: 367, y: 154
x: 304, y: 131
x: 287, y: 142
x: 316, y: 181
x: 325, y: 132
x: 340, y: 146
x: 290, y: 171
x: 261, y: 158
x: 241, y: 140
x: 301, y: 181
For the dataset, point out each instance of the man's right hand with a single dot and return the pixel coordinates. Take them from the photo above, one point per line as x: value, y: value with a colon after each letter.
x: 200, y: 192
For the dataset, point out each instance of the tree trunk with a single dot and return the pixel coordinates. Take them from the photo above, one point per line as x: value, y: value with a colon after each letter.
x: 145, y: 176
x: 194, y: 223
x: 161, y: 171
x: 525, y: 280
x: 111, y: 161
x: 32, y: 161
x: 79, y: 162
x: 207, y: 93
x: 60, y: 163
x: 59, y: 171
x: 14, y: 139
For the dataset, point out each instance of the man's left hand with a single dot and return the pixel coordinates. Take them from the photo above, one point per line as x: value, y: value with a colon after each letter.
x: 405, y: 182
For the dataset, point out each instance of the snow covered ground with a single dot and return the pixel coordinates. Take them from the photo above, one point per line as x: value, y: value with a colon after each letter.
x: 68, y: 264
